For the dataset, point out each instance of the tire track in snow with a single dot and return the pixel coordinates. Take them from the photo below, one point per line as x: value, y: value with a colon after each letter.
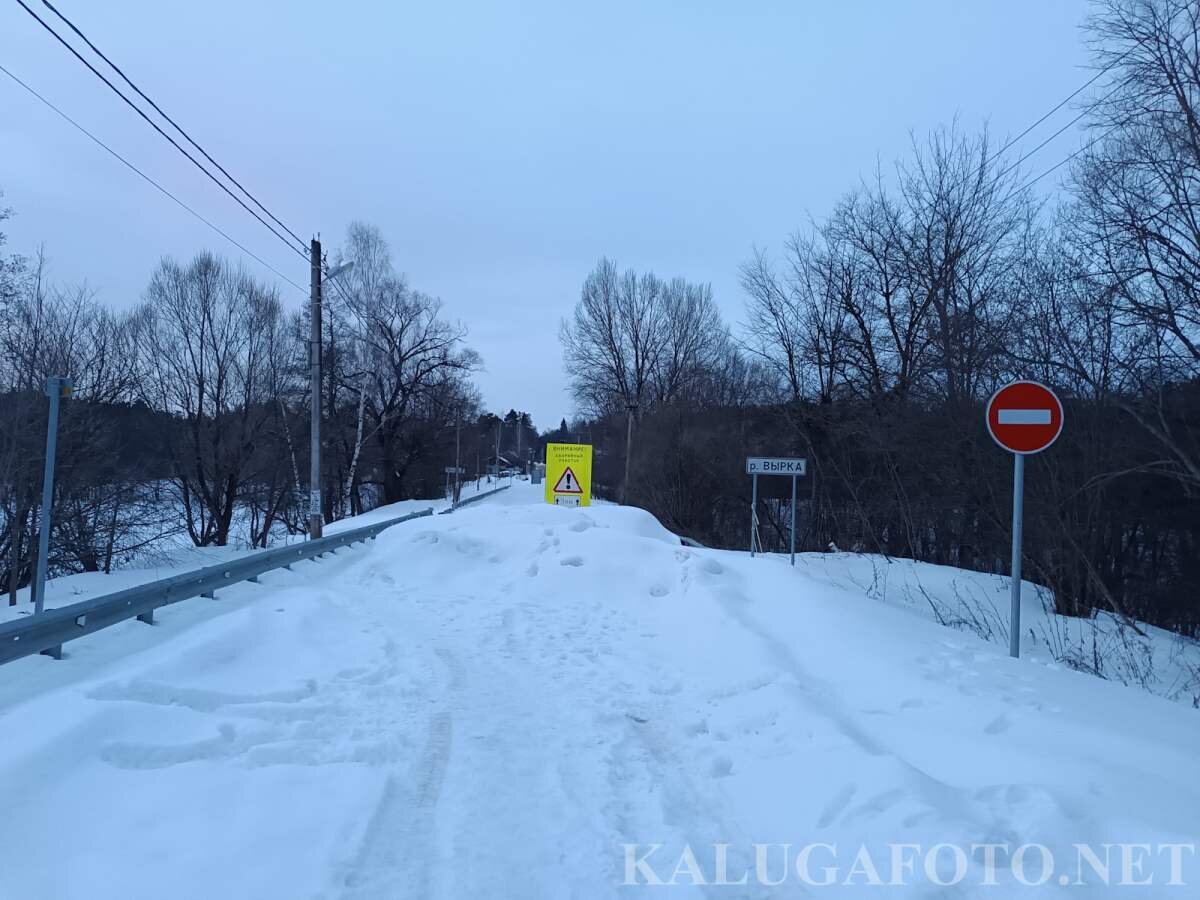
x: 693, y: 820
x: 941, y: 799
x: 396, y: 855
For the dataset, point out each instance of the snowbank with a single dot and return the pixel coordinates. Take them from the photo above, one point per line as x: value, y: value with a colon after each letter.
x: 504, y: 701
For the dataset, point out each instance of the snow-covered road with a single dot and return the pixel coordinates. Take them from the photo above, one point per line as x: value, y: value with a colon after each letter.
x: 496, y: 703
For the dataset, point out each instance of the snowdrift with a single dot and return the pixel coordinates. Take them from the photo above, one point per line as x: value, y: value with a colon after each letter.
x: 525, y: 701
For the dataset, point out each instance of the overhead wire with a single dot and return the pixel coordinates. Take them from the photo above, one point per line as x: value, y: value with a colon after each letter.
x: 173, y: 123
x: 125, y: 162
x: 157, y: 128
x: 1116, y: 61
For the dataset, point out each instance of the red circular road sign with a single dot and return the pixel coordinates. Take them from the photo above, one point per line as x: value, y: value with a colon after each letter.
x: 1024, y: 417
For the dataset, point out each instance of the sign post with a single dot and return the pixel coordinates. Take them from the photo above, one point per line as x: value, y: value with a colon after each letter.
x: 57, y: 387
x: 770, y: 465
x: 569, y: 474
x: 753, y: 511
x: 792, y: 534
x: 1024, y: 418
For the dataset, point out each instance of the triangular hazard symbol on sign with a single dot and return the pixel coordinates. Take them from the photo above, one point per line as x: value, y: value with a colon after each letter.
x: 567, y: 483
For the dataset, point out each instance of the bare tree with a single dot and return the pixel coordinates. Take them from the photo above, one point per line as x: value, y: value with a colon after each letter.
x: 97, y: 517
x: 1138, y: 187
x: 964, y: 224
x: 776, y: 324
x: 404, y: 364
x: 637, y: 341
x: 692, y: 338
x: 797, y: 321
x: 210, y: 337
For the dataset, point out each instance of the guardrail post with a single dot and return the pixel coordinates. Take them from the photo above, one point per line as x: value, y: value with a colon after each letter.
x: 53, y: 652
x: 147, y: 617
x: 211, y: 595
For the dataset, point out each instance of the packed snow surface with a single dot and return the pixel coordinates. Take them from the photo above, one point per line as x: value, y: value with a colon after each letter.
x: 520, y: 701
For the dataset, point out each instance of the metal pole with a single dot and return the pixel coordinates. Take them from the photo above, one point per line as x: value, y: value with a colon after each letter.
x: 55, y: 387
x: 753, y: 510
x: 628, y: 450
x: 314, y: 377
x: 793, y: 520
x: 457, y: 453
x: 1014, y: 625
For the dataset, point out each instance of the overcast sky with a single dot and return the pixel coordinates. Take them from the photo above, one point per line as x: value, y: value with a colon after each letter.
x: 503, y: 148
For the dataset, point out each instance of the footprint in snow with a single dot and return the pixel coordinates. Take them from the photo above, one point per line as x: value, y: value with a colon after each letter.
x: 998, y: 725
x: 659, y: 590
x: 571, y: 561
x: 873, y: 807
x: 721, y: 767
x: 836, y: 806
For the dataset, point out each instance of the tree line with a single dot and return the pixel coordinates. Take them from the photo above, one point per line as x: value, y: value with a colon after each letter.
x: 190, y: 412
x: 872, y: 341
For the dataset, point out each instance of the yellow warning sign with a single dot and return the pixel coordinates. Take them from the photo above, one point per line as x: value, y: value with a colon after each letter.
x: 569, y: 474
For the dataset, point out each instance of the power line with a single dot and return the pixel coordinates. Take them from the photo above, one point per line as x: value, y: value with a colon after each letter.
x: 156, y: 127
x: 151, y: 181
x: 174, y: 124
x: 1062, y: 162
x: 1026, y: 156
x: 1071, y: 96
x: 1075, y: 93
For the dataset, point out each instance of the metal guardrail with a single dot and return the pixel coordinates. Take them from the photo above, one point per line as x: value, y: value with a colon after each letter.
x: 46, y: 633
x: 474, y: 497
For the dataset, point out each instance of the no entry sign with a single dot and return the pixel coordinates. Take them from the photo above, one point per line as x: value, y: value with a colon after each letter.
x: 1024, y: 417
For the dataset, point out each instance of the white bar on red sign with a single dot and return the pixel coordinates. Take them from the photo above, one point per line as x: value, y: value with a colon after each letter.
x: 1023, y: 416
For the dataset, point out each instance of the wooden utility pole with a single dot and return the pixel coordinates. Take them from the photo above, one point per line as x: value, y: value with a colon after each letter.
x: 314, y: 379
x: 628, y: 450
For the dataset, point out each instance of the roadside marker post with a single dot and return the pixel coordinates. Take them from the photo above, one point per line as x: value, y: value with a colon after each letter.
x: 452, y: 489
x: 772, y: 465
x: 1024, y: 417
x: 57, y: 387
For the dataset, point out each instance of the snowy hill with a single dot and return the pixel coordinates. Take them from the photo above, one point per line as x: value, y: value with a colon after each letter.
x: 523, y: 701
